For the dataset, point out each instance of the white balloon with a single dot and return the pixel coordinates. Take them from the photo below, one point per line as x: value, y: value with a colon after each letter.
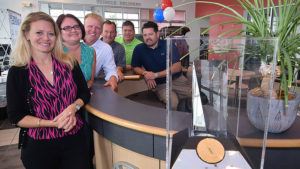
x: 169, y: 13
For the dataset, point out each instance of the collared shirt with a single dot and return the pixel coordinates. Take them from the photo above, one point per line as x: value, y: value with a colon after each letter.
x: 128, y: 48
x: 154, y: 60
x: 119, y: 53
x: 104, y: 60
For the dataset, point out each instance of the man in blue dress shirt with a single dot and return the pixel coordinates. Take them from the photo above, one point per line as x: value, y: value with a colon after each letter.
x: 109, y: 34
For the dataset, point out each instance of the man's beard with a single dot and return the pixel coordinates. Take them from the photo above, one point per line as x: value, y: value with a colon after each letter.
x: 152, y: 44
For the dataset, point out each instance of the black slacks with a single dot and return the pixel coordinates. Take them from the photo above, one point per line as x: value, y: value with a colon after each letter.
x: 69, y: 152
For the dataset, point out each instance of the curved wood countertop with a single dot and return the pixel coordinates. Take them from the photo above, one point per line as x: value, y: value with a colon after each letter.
x: 118, y: 110
x: 113, y: 108
x: 271, y: 143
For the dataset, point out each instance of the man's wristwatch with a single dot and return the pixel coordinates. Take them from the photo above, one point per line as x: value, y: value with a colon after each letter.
x: 77, y: 106
x: 155, y: 75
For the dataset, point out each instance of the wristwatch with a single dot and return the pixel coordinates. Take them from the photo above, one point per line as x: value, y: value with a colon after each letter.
x: 77, y: 106
x: 155, y: 75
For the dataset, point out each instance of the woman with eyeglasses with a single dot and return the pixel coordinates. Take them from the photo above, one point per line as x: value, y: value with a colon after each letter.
x: 45, y: 91
x: 72, y: 31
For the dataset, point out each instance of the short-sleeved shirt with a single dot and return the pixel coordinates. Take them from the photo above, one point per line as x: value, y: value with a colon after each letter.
x: 119, y: 54
x: 154, y: 59
x: 128, y: 47
x: 87, y: 56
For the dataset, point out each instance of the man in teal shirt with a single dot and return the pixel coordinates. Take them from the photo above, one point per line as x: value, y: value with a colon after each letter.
x: 128, y: 41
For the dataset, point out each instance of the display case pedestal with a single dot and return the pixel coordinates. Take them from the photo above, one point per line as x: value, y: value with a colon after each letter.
x: 184, y: 151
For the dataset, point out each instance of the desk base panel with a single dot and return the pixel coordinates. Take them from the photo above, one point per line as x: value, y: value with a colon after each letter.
x: 107, y: 154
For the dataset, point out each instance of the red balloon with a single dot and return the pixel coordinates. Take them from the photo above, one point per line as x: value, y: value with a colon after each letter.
x: 166, y: 3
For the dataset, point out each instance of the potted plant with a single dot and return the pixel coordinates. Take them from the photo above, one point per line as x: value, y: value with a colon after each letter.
x: 258, y: 25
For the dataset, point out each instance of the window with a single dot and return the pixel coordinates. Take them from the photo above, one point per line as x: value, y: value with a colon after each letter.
x: 119, y: 15
x: 178, y: 20
x: 272, y: 19
x: 56, y: 9
x: 119, y: 18
x: 130, y: 16
x: 115, y: 14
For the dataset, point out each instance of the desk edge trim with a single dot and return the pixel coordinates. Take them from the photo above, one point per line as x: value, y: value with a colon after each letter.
x: 129, y: 124
x: 271, y: 143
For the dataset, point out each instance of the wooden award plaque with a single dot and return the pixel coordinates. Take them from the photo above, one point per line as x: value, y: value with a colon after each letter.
x: 210, y: 150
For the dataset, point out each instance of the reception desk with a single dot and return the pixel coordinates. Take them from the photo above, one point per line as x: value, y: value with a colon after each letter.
x: 125, y: 130
x: 128, y: 131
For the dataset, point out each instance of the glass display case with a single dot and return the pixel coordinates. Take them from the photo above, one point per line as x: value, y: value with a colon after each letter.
x: 229, y: 89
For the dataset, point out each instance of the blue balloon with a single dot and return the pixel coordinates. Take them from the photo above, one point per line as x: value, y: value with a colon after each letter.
x: 158, y: 15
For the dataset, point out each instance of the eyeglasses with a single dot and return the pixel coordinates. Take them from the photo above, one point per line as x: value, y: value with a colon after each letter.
x: 69, y: 28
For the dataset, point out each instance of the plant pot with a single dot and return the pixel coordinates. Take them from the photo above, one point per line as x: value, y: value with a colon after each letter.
x: 281, y: 118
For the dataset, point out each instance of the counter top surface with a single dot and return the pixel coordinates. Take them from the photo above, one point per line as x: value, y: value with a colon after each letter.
x: 134, y: 115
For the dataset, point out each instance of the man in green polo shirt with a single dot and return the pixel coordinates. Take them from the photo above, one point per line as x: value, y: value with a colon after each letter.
x: 128, y: 41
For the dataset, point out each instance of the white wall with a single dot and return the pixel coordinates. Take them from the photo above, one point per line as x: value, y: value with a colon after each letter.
x: 17, y: 6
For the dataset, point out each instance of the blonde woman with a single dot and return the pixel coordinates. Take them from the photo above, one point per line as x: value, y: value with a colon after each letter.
x: 45, y: 91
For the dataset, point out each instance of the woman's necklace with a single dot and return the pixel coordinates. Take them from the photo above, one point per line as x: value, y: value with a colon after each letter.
x: 47, y: 68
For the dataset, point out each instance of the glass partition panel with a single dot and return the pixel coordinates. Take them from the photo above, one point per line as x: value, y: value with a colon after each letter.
x: 218, y: 109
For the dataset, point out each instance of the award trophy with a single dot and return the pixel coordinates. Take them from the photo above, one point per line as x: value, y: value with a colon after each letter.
x: 218, y: 102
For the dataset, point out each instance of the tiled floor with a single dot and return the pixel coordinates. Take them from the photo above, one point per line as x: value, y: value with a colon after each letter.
x: 9, y: 152
x: 10, y: 157
x: 9, y: 136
